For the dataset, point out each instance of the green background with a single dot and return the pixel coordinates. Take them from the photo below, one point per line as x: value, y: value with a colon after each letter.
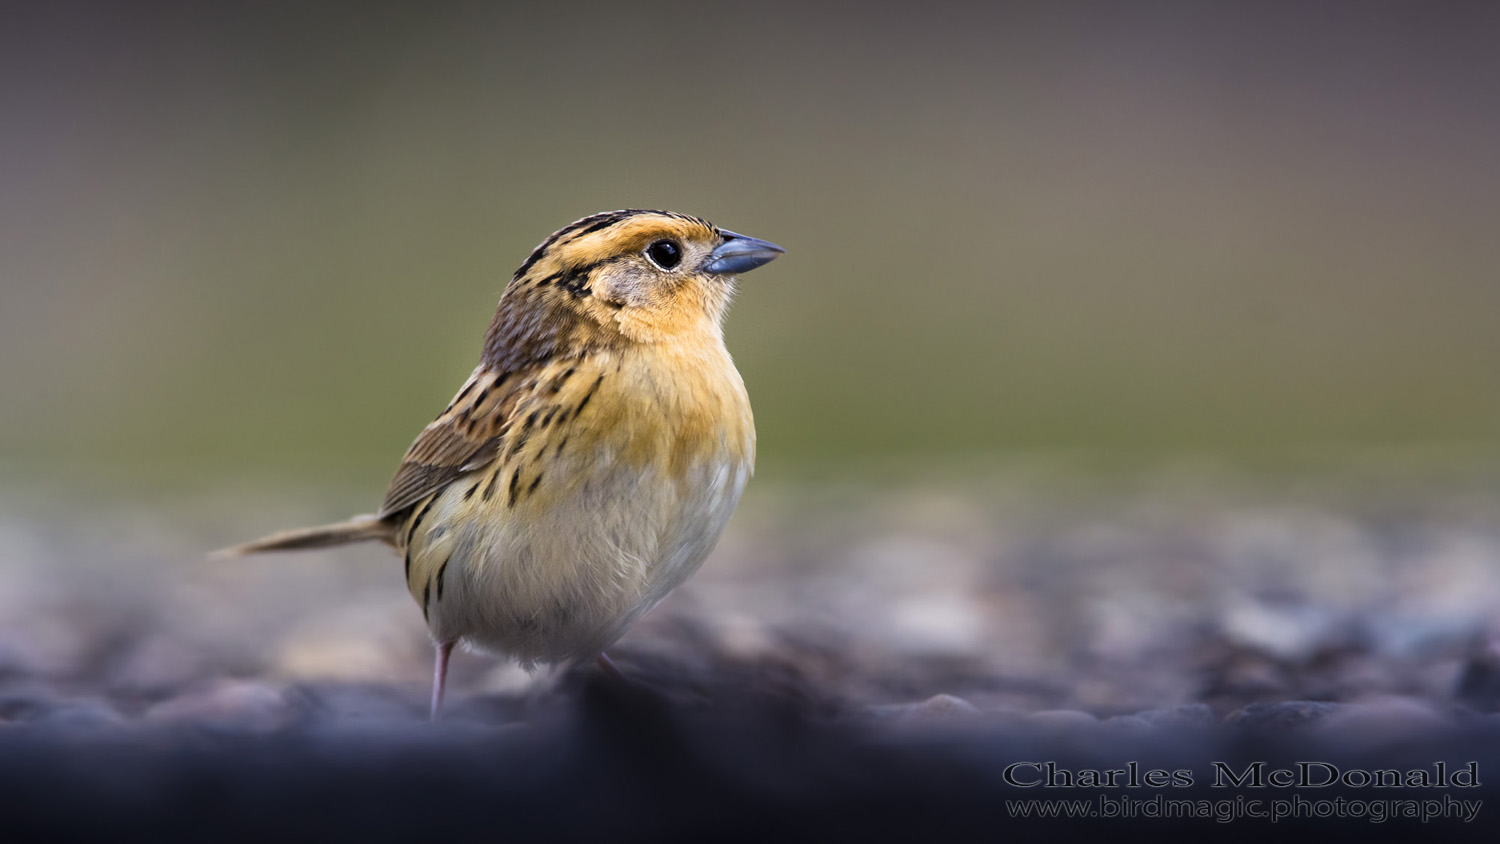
x: 266, y: 244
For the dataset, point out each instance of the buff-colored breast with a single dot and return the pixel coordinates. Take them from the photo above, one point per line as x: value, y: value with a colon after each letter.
x: 608, y: 490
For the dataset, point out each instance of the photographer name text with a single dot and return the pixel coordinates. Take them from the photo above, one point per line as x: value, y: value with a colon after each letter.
x: 1249, y: 775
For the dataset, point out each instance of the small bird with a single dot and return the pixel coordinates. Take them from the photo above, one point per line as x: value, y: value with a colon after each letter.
x: 591, y: 460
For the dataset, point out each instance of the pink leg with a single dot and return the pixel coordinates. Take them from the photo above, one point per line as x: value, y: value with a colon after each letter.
x: 608, y: 666
x: 440, y: 677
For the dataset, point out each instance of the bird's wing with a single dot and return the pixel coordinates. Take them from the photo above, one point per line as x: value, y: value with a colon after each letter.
x: 466, y: 436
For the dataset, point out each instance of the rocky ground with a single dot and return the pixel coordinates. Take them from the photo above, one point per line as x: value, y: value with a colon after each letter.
x: 871, y: 656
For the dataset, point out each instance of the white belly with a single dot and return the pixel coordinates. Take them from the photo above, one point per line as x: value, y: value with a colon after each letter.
x: 561, y: 577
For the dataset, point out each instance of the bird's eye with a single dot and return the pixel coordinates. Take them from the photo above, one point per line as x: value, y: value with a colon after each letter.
x: 665, y: 254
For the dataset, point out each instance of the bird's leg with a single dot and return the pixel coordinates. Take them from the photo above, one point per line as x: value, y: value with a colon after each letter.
x: 608, y: 666
x: 440, y: 677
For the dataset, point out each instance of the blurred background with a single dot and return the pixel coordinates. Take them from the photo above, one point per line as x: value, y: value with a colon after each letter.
x: 1173, y: 291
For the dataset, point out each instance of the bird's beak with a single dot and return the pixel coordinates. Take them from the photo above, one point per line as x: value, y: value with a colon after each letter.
x: 740, y: 254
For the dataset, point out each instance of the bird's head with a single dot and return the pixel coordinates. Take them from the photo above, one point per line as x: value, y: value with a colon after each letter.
x: 619, y: 277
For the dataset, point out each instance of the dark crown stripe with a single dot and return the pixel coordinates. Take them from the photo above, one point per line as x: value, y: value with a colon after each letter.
x: 595, y: 223
x: 588, y: 225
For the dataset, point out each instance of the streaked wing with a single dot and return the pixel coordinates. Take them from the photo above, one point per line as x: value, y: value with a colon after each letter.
x: 466, y: 436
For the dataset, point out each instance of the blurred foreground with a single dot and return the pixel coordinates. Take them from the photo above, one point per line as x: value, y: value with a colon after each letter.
x: 849, y: 658
x: 1027, y: 592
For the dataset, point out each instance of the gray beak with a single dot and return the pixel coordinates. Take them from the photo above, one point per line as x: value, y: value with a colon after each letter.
x: 740, y: 254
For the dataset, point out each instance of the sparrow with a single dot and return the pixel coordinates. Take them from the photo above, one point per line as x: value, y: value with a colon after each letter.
x: 591, y: 461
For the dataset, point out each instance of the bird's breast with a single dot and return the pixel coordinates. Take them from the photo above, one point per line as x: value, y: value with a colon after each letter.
x: 673, y: 408
x: 614, y: 495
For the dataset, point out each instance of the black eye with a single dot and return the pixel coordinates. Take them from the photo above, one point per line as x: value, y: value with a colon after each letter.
x: 665, y: 254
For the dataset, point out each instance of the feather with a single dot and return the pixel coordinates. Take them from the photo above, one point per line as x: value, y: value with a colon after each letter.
x: 357, y: 529
x: 465, y: 438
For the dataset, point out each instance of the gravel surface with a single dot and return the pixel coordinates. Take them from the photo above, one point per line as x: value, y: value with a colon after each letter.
x: 846, y: 650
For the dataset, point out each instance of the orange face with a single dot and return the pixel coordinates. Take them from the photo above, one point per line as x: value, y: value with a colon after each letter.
x: 623, y: 276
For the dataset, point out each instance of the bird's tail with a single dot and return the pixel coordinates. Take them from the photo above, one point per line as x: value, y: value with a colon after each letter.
x: 357, y: 529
